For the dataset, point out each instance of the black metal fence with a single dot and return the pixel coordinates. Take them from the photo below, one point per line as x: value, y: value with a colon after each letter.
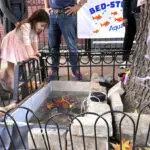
x: 30, y: 75
x: 16, y: 133
x: 101, y: 60
x: 27, y: 79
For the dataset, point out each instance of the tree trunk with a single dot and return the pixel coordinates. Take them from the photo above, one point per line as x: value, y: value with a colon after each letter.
x: 137, y: 95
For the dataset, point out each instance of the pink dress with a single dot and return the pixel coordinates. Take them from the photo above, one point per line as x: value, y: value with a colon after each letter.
x: 13, y: 44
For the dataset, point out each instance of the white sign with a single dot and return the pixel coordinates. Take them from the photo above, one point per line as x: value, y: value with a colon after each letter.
x: 101, y: 19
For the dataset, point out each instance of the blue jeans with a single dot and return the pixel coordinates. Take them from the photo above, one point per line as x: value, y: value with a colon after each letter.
x: 16, y: 10
x: 61, y: 24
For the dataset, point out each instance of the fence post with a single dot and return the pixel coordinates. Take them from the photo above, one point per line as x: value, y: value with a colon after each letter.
x: 16, y: 83
x: 42, y: 67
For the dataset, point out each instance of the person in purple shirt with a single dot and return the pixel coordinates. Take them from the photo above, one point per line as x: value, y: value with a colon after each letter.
x: 13, y: 11
x: 63, y: 22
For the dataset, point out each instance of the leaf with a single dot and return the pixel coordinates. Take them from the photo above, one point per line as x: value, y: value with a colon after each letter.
x: 126, y: 145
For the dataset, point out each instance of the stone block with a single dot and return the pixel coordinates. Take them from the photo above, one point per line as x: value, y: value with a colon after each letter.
x: 52, y: 136
x: 117, y: 88
x: 127, y: 127
x: 89, y: 143
x: 116, y: 102
x: 88, y: 123
x: 76, y: 86
x: 96, y: 87
x: 98, y: 107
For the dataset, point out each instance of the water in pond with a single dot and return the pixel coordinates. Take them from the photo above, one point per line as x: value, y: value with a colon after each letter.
x: 53, y: 106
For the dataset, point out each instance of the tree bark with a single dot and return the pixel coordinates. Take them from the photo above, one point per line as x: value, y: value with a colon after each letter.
x: 137, y: 96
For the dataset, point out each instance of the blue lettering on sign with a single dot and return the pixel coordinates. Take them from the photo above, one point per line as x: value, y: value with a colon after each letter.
x: 117, y: 2
x: 92, y: 11
x: 97, y: 7
x: 104, y: 6
x: 112, y: 4
x: 122, y: 4
x: 115, y: 28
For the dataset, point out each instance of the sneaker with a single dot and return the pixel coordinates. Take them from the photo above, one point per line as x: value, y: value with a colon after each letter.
x: 52, y: 76
x: 77, y: 75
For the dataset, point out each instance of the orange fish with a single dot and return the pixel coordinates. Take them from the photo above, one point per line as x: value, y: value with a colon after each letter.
x: 98, y: 17
x: 59, y: 103
x: 106, y: 23
x: 114, y: 13
x: 96, y: 31
x: 120, y: 19
x: 49, y: 106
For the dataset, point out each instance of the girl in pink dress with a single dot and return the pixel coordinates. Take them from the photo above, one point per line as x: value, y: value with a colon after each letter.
x: 22, y: 44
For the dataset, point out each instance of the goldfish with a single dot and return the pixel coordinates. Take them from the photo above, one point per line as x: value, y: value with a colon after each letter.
x: 96, y: 31
x: 106, y: 23
x: 49, y: 106
x: 114, y: 13
x: 98, y: 17
x: 63, y: 102
x: 120, y: 19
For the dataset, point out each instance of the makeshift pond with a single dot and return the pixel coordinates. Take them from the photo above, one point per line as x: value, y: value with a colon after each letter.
x: 55, y: 97
x: 60, y: 102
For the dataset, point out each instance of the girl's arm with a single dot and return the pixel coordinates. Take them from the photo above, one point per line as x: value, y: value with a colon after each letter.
x: 35, y: 43
x: 26, y: 35
x: 35, y: 48
x: 29, y: 50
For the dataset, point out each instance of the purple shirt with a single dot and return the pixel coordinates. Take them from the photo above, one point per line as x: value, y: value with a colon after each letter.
x: 61, y: 4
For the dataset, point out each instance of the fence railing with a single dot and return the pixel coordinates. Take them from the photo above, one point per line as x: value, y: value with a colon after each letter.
x: 31, y: 74
x: 102, y: 60
x: 27, y: 79
x: 16, y: 133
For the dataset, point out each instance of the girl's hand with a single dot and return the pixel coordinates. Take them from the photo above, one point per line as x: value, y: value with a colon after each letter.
x: 49, y: 10
x: 38, y: 54
x: 33, y: 56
